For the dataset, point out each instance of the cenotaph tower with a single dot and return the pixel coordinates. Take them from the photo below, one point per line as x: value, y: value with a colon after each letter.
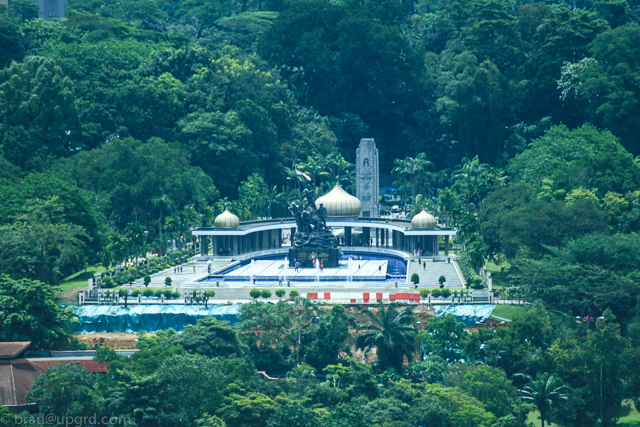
x: 367, y: 178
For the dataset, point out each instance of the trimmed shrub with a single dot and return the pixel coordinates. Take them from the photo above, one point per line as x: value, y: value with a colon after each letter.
x: 280, y: 293
x: 445, y: 293
x: 293, y: 293
x: 436, y: 293
x: 266, y: 293
x: 255, y: 293
x: 135, y: 293
x: 158, y: 293
x: 478, y: 285
x: 167, y: 281
x: 424, y: 293
x: 107, y: 282
x: 146, y: 280
x: 415, y: 278
x: 148, y: 292
x: 210, y: 293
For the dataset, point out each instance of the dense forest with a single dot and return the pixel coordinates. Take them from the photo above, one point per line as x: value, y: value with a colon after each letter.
x: 152, y: 116
x: 127, y: 124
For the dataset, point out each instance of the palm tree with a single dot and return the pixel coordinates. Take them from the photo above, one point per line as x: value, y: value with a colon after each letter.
x: 410, y: 171
x: 116, y: 247
x: 163, y: 205
x: 340, y: 170
x: 420, y: 203
x: 315, y: 166
x: 135, y: 232
x: 391, y: 333
x: 545, y: 392
x: 477, y: 251
x: 171, y: 226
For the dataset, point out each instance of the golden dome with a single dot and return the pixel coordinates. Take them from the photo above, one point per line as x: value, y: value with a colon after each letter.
x: 227, y: 220
x: 423, y: 220
x: 339, y: 203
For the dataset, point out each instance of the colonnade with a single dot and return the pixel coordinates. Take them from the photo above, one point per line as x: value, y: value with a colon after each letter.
x: 235, y: 244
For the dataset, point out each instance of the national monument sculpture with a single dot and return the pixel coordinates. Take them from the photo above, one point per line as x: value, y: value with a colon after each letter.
x: 313, y: 241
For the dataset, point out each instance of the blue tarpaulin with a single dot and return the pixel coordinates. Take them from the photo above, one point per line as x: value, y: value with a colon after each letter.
x: 466, y: 313
x: 148, y: 318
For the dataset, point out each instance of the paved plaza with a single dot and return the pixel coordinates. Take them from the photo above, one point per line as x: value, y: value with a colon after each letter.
x: 356, y: 276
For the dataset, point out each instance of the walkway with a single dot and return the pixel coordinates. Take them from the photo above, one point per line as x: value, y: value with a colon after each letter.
x: 429, y: 276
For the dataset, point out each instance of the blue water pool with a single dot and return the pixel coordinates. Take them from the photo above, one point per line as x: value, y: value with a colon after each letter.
x: 395, y: 266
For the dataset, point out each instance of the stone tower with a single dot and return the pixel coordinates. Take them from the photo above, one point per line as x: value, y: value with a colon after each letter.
x: 367, y: 178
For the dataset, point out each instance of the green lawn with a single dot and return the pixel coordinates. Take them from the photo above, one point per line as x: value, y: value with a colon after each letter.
x: 507, y: 311
x: 494, y: 268
x: 497, y: 273
x: 534, y: 418
x: 629, y: 416
x: 80, y: 278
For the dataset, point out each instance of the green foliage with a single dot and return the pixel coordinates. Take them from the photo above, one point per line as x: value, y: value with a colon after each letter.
x: 330, y: 338
x: 280, y: 293
x: 49, y: 228
x: 491, y: 387
x: 28, y: 313
x: 189, y: 386
x: 255, y: 293
x: 306, y: 32
x: 293, y: 293
x: 415, y: 279
x: 107, y: 282
x: 167, y: 281
x: 443, y: 337
x: 431, y: 370
x: 567, y: 158
x: 391, y: 333
x: 442, y: 279
x: 424, y: 293
x: 11, y: 45
x: 594, y: 270
x: 65, y: 389
x: 265, y: 293
x: 293, y: 414
x: 156, y: 179
x: 146, y: 280
x: 52, y: 126
x: 247, y: 408
x: 209, y: 337
x: 545, y: 393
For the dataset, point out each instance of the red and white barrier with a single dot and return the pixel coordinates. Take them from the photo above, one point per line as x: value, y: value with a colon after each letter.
x: 363, y: 297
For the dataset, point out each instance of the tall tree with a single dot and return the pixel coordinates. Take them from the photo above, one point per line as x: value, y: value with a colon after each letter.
x: 28, y: 313
x: 391, y: 333
x: 38, y: 113
x: 546, y: 392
